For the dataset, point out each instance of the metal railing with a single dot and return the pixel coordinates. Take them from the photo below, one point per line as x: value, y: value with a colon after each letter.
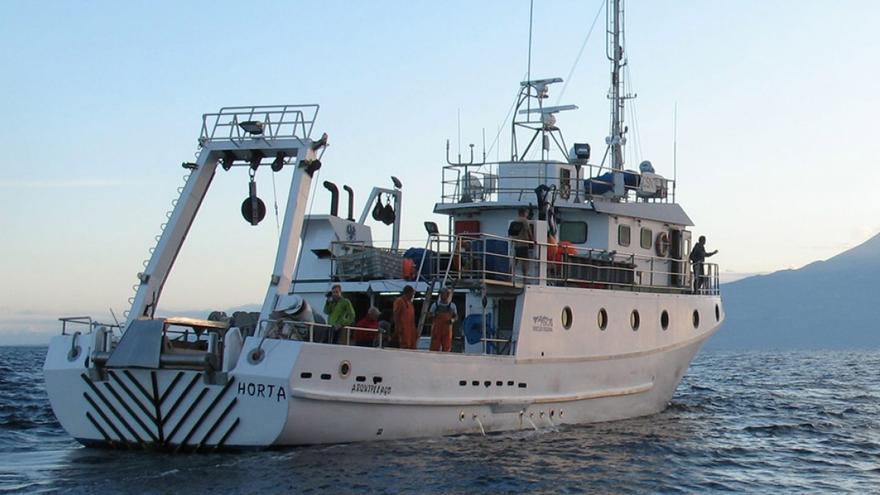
x: 485, y: 258
x: 319, y: 333
x: 274, y: 121
x: 466, y: 183
x: 86, y: 321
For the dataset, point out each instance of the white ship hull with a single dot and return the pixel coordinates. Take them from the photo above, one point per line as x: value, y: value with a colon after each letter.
x: 297, y: 394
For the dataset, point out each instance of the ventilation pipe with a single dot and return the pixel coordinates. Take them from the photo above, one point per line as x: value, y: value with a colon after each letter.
x: 350, y: 192
x: 334, y: 197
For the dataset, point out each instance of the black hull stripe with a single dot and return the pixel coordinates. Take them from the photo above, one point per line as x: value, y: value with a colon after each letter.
x: 128, y: 392
x: 207, y: 411
x: 178, y: 402
x: 167, y: 390
x: 105, y: 418
x: 157, y: 402
x: 137, y: 383
x: 98, y: 427
x: 112, y: 409
x: 217, y: 423
x: 228, y: 432
x: 187, y: 413
x: 131, y: 413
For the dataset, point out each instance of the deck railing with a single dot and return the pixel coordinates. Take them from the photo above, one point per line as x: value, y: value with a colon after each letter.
x: 274, y: 122
x: 473, y: 183
x: 489, y: 259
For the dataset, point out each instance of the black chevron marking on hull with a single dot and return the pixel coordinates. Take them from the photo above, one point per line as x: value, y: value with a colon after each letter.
x: 126, y: 391
x: 179, y: 401
x: 113, y: 410
x: 157, y: 400
x: 207, y: 412
x: 101, y: 413
x: 100, y: 430
x: 130, y: 412
x: 219, y: 420
x: 131, y: 394
x: 186, y: 414
x: 228, y: 432
x: 170, y: 386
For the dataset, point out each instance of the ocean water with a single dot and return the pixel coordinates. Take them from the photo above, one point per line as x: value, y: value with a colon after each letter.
x: 753, y: 422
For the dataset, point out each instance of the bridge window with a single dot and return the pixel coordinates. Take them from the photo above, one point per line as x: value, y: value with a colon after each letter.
x: 623, y: 235
x: 573, y: 232
x: 647, y: 238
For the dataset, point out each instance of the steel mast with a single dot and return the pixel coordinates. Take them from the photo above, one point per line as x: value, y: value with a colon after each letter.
x: 614, y: 50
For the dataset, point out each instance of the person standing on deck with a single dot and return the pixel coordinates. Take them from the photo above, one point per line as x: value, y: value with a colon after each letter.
x: 363, y: 338
x: 405, y: 319
x: 521, y: 233
x: 444, y: 314
x: 698, y: 257
x: 340, y: 313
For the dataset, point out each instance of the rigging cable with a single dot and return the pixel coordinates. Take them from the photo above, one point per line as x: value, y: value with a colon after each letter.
x: 634, y: 115
x: 501, y: 125
x: 313, y: 194
x: 275, y: 199
x: 580, y: 52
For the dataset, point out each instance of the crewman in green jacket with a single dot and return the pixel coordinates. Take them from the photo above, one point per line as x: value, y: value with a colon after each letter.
x: 340, y: 313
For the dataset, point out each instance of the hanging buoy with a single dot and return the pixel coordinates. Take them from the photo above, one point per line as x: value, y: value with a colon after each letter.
x: 252, y: 208
x: 388, y: 215
x: 378, y: 209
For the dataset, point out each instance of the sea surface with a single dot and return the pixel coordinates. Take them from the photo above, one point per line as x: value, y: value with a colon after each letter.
x: 751, y: 422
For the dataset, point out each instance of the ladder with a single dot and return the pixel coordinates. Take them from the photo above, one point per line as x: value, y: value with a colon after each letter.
x: 434, y: 278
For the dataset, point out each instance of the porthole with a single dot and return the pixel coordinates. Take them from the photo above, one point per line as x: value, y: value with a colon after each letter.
x: 602, y: 319
x: 696, y: 319
x: 566, y: 317
x: 634, y: 319
x: 664, y: 320
x: 344, y: 369
x: 717, y: 313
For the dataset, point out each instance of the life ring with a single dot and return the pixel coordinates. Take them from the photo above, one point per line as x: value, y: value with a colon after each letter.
x: 662, y: 244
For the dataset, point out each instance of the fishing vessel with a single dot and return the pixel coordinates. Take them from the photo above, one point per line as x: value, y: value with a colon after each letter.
x: 592, y: 314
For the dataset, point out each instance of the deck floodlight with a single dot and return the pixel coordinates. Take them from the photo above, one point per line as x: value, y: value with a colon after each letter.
x: 431, y: 228
x: 396, y: 182
x: 254, y: 127
x: 189, y: 165
x: 580, y: 151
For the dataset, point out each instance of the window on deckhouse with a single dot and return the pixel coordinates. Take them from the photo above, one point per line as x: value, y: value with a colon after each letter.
x: 623, y: 235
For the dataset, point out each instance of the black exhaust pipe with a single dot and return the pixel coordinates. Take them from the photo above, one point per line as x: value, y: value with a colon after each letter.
x: 350, y: 192
x: 334, y: 197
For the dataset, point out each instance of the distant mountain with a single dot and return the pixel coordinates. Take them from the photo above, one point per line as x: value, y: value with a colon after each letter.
x: 828, y: 304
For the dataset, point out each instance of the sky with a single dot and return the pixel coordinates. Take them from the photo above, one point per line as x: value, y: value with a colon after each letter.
x: 102, y: 100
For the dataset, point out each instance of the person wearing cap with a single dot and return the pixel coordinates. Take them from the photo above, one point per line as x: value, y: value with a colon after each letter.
x: 444, y: 315
x: 340, y: 314
x: 364, y: 338
x: 405, y: 319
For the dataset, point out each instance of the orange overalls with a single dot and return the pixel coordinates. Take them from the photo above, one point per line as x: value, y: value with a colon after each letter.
x: 441, y: 329
x: 405, y: 323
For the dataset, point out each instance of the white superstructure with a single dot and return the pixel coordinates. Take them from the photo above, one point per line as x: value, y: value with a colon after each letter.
x: 600, y: 325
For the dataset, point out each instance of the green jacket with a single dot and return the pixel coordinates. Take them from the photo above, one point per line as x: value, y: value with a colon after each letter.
x: 339, y: 313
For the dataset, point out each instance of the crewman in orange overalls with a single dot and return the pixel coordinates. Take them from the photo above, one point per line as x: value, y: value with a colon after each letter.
x: 405, y: 319
x: 444, y: 314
